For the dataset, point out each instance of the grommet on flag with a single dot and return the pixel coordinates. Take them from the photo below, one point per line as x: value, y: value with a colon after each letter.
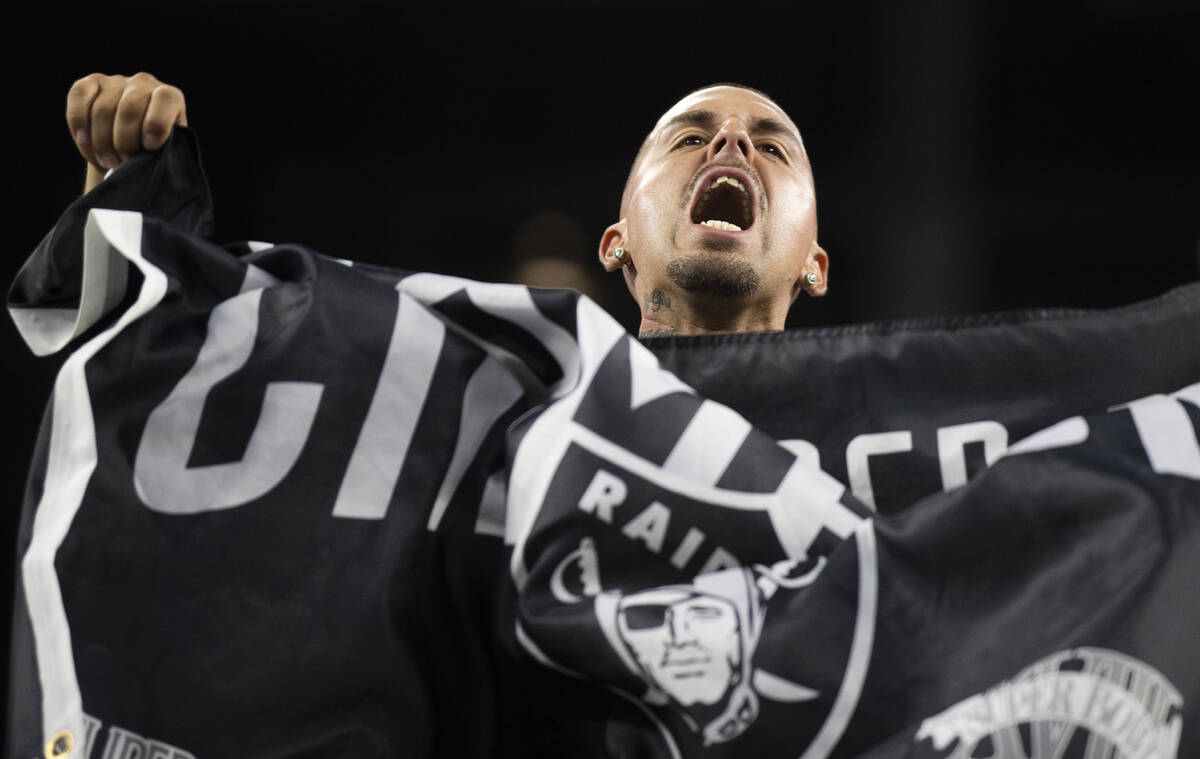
x: 60, y: 744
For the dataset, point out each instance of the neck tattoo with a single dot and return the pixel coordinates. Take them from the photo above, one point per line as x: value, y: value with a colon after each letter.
x: 656, y: 300
x: 667, y: 332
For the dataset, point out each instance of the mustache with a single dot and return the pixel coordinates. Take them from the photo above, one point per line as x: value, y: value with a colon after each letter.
x: 690, y: 192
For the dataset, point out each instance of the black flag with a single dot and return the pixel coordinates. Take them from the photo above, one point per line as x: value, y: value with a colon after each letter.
x: 287, y: 505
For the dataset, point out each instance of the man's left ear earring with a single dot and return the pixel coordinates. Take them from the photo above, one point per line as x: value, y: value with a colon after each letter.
x: 811, y: 278
x: 621, y: 256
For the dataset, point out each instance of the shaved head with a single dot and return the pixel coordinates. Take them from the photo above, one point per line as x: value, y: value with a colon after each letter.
x: 637, y: 159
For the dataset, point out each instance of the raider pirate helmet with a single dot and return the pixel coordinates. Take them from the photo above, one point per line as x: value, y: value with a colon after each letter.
x: 693, y: 646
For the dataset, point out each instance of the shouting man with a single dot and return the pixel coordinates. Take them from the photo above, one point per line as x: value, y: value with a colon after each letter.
x: 718, y: 228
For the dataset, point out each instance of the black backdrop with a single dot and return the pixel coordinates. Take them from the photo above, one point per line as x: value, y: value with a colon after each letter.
x: 969, y: 156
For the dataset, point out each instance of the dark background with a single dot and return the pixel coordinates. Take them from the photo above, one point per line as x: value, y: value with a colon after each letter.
x: 971, y: 155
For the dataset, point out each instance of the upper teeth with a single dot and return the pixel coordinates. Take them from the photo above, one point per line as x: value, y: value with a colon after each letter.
x: 718, y: 224
x: 730, y: 180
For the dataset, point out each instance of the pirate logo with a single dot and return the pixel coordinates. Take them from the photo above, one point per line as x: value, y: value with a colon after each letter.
x: 693, y: 646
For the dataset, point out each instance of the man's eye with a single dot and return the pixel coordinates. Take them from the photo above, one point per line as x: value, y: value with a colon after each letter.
x: 770, y: 149
x: 692, y: 140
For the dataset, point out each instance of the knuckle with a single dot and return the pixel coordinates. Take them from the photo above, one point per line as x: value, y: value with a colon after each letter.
x: 172, y: 97
x: 80, y: 87
x: 143, y: 76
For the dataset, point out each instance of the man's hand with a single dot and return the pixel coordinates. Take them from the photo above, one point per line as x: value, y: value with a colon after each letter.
x: 112, y: 117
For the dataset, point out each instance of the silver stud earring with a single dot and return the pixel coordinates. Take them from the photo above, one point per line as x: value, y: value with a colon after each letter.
x: 811, y: 278
x: 619, y: 254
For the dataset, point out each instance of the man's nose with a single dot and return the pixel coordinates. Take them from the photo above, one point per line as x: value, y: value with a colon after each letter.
x: 732, y: 141
x: 681, y: 631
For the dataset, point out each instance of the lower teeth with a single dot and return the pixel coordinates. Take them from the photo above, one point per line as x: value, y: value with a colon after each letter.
x: 722, y: 225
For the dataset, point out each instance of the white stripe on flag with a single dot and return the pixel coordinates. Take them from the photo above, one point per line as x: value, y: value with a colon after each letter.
x: 711, y: 440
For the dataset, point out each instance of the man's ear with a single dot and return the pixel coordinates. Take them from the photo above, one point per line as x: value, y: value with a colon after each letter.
x: 613, y: 238
x: 817, y: 263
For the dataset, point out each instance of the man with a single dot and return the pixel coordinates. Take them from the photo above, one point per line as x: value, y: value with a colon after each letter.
x: 718, y: 228
x: 377, y: 426
x: 328, y: 570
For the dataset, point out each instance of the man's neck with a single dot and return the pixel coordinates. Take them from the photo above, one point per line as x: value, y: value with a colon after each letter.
x: 665, y: 314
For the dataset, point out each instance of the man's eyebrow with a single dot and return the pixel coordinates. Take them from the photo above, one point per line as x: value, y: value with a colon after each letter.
x: 768, y: 125
x: 690, y: 118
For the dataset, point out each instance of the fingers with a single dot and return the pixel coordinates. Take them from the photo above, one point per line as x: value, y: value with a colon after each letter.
x: 100, y: 122
x: 112, y: 117
x: 79, y: 109
x: 130, y: 111
x: 166, y: 109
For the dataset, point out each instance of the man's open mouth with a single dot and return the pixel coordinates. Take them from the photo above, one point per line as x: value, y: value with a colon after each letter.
x: 725, y: 202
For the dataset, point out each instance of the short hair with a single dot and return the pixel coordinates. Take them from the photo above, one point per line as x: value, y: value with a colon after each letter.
x: 637, y: 159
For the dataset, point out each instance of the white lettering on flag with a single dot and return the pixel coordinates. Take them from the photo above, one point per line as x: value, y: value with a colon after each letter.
x: 382, y: 445
x: 951, y: 440
x: 162, y: 477
x: 1167, y: 433
x: 858, y: 453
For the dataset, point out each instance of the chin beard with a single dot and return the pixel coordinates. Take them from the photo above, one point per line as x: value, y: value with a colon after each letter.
x: 714, y: 275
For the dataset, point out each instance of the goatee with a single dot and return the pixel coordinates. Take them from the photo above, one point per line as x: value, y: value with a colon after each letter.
x: 714, y: 275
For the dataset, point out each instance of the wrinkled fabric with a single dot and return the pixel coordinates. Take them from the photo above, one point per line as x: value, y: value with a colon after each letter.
x: 287, y: 505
